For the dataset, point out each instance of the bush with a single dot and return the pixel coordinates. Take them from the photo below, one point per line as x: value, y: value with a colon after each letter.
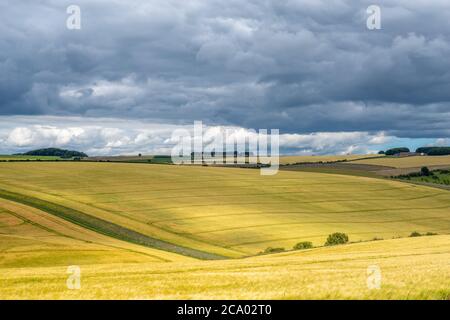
x: 415, y: 234
x: 303, y: 245
x: 336, y: 238
x: 425, y: 171
x: 431, y: 234
x: 273, y: 250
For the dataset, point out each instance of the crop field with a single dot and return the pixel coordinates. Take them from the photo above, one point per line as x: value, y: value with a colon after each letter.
x: 157, y: 232
x: 26, y: 158
x: 411, y: 268
x: 214, y: 213
x: 408, y: 162
x: 32, y: 238
x: 332, y: 158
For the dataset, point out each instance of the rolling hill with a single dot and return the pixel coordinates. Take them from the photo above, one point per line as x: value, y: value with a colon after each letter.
x: 32, y: 238
x: 412, y: 268
x: 407, y: 162
x: 227, y: 212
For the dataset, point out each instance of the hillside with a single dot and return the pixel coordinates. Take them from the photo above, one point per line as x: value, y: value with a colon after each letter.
x: 412, y: 268
x: 330, y: 158
x: 231, y: 212
x: 407, y: 162
x: 32, y: 238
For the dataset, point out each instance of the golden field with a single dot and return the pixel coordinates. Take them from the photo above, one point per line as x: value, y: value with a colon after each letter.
x: 211, y: 213
x: 408, y: 162
x: 412, y: 268
x: 233, y: 212
x: 33, y: 238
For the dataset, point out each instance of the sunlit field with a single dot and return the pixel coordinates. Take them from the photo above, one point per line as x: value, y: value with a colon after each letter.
x: 227, y: 212
x: 408, y: 162
x: 32, y: 238
x: 412, y: 268
x: 61, y: 214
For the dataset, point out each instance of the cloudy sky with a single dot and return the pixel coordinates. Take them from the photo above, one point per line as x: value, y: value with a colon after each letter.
x: 136, y: 70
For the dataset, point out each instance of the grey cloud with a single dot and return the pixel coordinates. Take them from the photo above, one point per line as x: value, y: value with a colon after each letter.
x: 301, y: 66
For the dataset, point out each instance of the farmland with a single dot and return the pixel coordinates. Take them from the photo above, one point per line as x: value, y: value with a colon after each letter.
x: 153, y: 232
x: 412, y: 268
x: 26, y: 158
x: 230, y: 212
x: 33, y: 238
x: 407, y: 162
x: 331, y: 158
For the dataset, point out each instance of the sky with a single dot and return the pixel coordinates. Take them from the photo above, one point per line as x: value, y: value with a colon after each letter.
x: 137, y: 70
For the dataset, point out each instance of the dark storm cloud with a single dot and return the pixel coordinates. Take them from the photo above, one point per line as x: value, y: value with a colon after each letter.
x: 301, y: 66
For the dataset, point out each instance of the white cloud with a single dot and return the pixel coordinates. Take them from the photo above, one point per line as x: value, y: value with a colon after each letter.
x: 114, y: 136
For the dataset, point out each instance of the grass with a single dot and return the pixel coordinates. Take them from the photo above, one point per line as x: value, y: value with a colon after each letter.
x: 411, y: 268
x: 26, y: 158
x: 408, y: 162
x: 437, y: 177
x: 230, y: 212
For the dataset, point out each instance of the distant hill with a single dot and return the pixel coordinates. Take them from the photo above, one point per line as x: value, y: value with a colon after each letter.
x: 55, y: 152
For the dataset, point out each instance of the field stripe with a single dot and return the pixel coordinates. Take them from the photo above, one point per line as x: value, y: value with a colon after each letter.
x: 105, y: 227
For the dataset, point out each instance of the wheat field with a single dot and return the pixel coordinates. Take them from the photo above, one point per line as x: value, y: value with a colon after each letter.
x: 232, y: 212
x: 412, y: 268
x: 407, y: 162
x: 33, y: 238
x: 215, y: 213
x: 330, y: 158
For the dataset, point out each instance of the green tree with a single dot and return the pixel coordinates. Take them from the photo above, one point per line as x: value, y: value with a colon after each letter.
x: 336, y: 238
x: 425, y: 171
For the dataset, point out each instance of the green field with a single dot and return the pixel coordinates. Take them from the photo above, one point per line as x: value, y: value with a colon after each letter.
x: 26, y: 158
x: 436, y: 177
x: 55, y: 214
